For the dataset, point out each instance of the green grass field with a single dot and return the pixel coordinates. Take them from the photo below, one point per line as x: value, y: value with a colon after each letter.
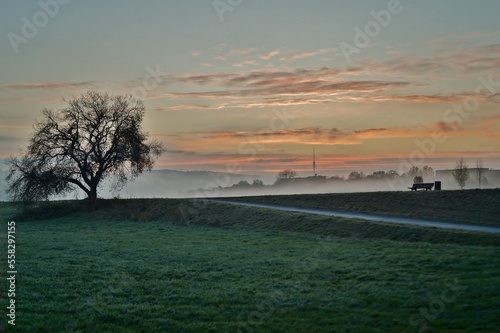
x: 468, y: 206
x: 186, y: 266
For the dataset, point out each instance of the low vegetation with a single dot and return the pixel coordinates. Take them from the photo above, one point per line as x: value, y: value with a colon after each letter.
x: 190, y: 266
x: 469, y: 206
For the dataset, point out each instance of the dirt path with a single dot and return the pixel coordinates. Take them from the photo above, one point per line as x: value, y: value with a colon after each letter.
x: 369, y: 217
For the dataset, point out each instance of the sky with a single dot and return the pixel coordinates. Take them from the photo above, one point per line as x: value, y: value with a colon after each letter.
x: 251, y: 86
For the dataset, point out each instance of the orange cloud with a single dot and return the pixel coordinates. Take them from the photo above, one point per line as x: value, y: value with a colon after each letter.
x: 231, y: 140
x: 326, y: 162
x: 314, y: 86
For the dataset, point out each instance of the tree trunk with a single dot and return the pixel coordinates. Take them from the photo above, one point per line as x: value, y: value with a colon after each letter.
x: 92, y: 196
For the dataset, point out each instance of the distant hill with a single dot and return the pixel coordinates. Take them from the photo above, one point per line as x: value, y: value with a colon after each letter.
x: 174, y: 183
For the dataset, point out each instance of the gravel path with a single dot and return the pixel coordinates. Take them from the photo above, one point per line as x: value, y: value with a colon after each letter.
x: 369, y: 217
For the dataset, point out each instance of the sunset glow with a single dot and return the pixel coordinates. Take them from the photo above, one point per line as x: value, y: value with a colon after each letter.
x: 372, y: 85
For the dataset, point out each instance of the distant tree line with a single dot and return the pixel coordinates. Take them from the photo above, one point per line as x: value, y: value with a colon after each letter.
x: 425, y: 171
x: 246, y: 184
x: 460, y: 173
x: 413, y: 172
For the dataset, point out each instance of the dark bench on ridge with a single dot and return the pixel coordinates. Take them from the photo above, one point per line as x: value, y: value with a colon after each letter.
x: 427, y: 186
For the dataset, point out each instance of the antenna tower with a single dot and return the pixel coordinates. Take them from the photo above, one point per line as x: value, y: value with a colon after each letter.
x: 314, y: 162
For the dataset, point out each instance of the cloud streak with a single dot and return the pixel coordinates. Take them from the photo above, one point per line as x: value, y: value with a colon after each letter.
x: 321, y: 136
x: 400, y: 79
x: 485, y: 58
x: 302, y: 55
x: 277, y: 87
x: 64, y: 86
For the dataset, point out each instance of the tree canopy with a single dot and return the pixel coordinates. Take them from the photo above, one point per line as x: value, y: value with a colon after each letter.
x: 95, y: 137
x: 418, y: 180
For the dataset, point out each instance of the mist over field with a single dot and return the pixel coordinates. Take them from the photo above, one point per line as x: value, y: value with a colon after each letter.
x: 183, y: 184
x: 175, y: 184
x: 200, y: 184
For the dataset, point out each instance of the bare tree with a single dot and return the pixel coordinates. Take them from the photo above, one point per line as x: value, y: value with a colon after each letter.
x: 392, y: 174
x: 379, y: 174
x: 418, y: 180
x: 287, y: 174
x: 461, y: 173
x: 95, y: 137
x: 413, y: 171
x: 242, y: 183
x: 480, y: 171
x: 427, y: 171
x: 416, y: 171
x: 257, y: 182
x: 354, y: 175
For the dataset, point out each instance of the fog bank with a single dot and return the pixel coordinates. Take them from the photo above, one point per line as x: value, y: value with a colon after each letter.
x: 202, y: 184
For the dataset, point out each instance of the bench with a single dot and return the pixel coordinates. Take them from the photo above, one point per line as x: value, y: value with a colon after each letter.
x: 426, y: 186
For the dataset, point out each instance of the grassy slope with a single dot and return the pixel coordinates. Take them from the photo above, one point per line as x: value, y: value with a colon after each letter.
x: 468, y: 206
x: 173, y: 265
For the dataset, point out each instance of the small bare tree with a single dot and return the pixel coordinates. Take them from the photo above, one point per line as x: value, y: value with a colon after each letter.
x: 461, y: 173
x: 479, y: 171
